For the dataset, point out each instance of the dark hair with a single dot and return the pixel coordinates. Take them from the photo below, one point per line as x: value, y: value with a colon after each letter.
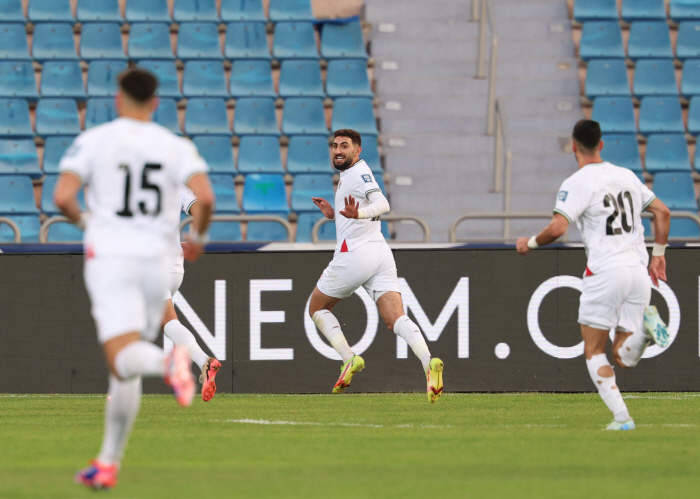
x: 138, y: 84
x: 587, y: 135
x: 346, y: 132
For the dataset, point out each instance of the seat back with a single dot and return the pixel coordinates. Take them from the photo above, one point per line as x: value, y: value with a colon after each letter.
x: 14, y: 118
x: 607, y: 77
x: 255, y: 116
x: 348, y: 78
x: 601, y: 39
x: 343, y: 41
x: 57, y: 117
x: 64, y: 232
x: 54, y: 148
x: 99, y: 11
x: 102, y: 77
x: 690, y: 81
x: 206, y: 116
x: 684, y: 10
x: 667, y: 152
x: 47, y: 11
x: 29, y: 227
x: 688, y: 43
x: 204, y: 79
x: 13, y: 40
x: 356, y: 113
x: 694, y: 116
x: 309, y: 154
x: 147, y: 11
x: 656, y: 77
x: 242, y: 10
x: 305, y: 116
x: 643, y: 10
x: 595, y: 10
x: 251, y: 78
x: 198, y: 41
x: 677, y: 191
x: 53, y: 41
x: 217, y: 152
x: 17, y: 80
x: 246, y: 40
x: 305, y: 224
x: 649, y: 39
x: 259, y: 154
x: 225, y: 192
x: 264, y: 193
x: 660, y: 115
x: 308, y: 185
x: 195, y: 10
x: 101, y: 41
x: 19, y: 157
x: 622, y: 150
x: 99, y: 110
x: 166, y: 72
x: 370, y: 153
x: 301, y: 78
x: 17, y: 195
x: 150, y: 41
x: 166, y: 115
x: 47, y: 204
x: 615, y: 114
x: 62, y: 79
x: 225, y: 232
x: 11, y: 11
x: 290, y: 10
x: 294, y: 40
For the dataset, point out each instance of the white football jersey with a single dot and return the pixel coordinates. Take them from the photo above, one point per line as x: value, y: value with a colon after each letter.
x: 357, y: 181
x: 606, y: 202
x: 187, y: 199
x: 135, y: 172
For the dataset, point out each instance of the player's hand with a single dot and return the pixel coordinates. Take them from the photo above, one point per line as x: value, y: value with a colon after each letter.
x: 192, y: 250
x: 521, y: 245
x: 657, y: 269
x: 325, y: 207
x: 351, y: 207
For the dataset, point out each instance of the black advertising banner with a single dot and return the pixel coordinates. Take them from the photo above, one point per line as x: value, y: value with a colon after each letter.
x: 499, y: 321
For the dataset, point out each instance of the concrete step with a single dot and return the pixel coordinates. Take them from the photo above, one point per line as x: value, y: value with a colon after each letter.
x: 446, y: 87
x: 436, y: 107
x: 530, y: 50
x: 555, y: 31
x: 504, y: 10
x: 564, y: 68
x: 416, y: 165
x: 448, y: 31
x: 429, y: 124
x: 519, y: 88
x: 464, y: 180
x: 428, y: 70
x: 437, y: 145
x: 431, y: 50
x: 396, y: 11
x: 543, y: 106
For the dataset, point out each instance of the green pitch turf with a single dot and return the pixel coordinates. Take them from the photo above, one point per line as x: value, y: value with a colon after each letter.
x: 353, y: 445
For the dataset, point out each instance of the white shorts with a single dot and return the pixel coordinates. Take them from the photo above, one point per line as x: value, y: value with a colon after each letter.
x: 615, y: 299
x: 175, y: 283
x: 126, y: 295
x: 371, y: 266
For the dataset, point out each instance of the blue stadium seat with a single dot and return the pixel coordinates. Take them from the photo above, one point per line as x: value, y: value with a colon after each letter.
x: 102, y: 77
x: 677, y: 191
x: 166, y: 115
x: 17, y: 195
x: 259, y: 154
x: 198, y: 41
x: 62, y: 79
x: 255, y: 116
x: 242, y: 10
x: 370, y: 153
x: 57, y: 117
x: 301, y: 78
x: 655, y: 77
x: 690, y: 82
x: 225, y: 232
x: 294, y: 40
x: 206, y: 116
x: 11, y: 11
x: 693, y: 116
x: 29, y: 227
x: 17, y: 80
x: 64, y: 232
x: 217, y: 152
x: 667, y: 152
x: 266, y: 231
x: 649, y: 39
x: 19, y: 157
x: 622, y: 150
x: 607, y: 77
x: 150, y: 41
x: 246, y: 40
x: 99, y: 110
x: 251, y: 78
x: 688, y: 43
x: 615, y: 114
x: 225, y: 192
x: 147, y: 11
x: 355, y: 113
x: 306, y: 222
x: 14, y: 118
x: 309, y: 154
x: 101, y: 41
x: 104, y: 11
x: 684, y: 10
x: 643, y: 10
x: 47, y: 204
x: 50, y: 11
x: 54, y: 147
x: 304, y: 116
x: 204, y: 79
x: 660, y: 115
x: 13, y: 40
x: 348, y: 78
x: 343, y: 41
x: 53, y: 41
x: 166, y: 72
x: 290, y: 10
x: 601, y: 39
x: 595, y: 10
x: 264, y: 193
x: 195, y: 10
x: 308, y: 185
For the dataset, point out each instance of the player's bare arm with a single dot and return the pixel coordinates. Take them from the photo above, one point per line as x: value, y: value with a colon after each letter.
x: 351, y: 208
x: 66, y: 196
x: 662, y: 224
x: 201, y: 212
x: 554, y: 230
x: 325, y: 207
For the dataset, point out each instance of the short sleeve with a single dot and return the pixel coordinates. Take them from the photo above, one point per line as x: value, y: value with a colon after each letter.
x: 647, y: 195
x: 77, y: 159
x: 190, y: 162
x: 187, y: 199
x: 571, y: 201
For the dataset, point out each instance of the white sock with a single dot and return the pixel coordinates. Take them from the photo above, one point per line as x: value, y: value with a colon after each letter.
x: 330, y: 327
x: 632, y: 348
x: 123, y: 402
x: 607, y: 388
x: 410, y: 332
x: 183, y: 336
x: 140, y: 358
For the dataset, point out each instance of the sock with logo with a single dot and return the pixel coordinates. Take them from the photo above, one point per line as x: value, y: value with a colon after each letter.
x: 330, y: 327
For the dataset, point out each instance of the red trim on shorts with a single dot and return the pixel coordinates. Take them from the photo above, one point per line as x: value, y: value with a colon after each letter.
x: 89, y: 252
x: 588, y: 272
x: 344, y: 247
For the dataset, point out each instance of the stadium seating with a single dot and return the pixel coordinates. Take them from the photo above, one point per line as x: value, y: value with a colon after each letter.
x: 356, y: 113
x: 294, y: 40
x: 99, y: 11
x: 649, y: 39
x: 643, y: 10
x: 54, y: 147
x: 242, y: 10
x: 601, y: 39
x: 102, y: 77
x: 204, y: 79
x: 309, y: 154
x: 19, y: 157
x: 53, y: 41
x: 147, y: 11
x: 304, y: 116
x: 266, y: 231
x: 615, y: 114
x: 150, y: 41
x: 56, y: 11
x: 195, y: 10
x: 301, y: 78
x: 667, y: 152
x: 14, y: 119
x: 17, y: 195
x: 251, y: 78
x: 47, y: 204
x: 99, y: 110
x: 166, y: 72
x: 13, y: 40
x: 255, y: 116
x: 660, y: 115
x: 622, y: 150
x: 290, y: 10
x: 370, y: 154
x: 64, y: 232
x: 101, y: 41
x: 607, y: 77
x: 17, y: 80
x: 306, y: 222
x: 306, y: 186
x: 690, y: 81
x: 57, y: 117
x: 684, y: 10
x: 688, y: 43
x: 655, y: 77
x: 678, y: 192
x: 29, y: 227
x: 225, y: 192
x: 264, y: 193
x: 225, y: 232
x: 206, y: 116
x: 62, y: 79
x: 595, y: 10
x: 11, y: 11
x: 348, y: 77
x: 259, y: 154
x: 343, y: 40
x: 198, y: 41
x: 216, y: 151
x: 246, y: 40
x: 694, y: 116
x: 166, y: 115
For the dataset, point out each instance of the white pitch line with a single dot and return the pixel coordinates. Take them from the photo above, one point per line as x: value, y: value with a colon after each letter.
x: 316, y: 423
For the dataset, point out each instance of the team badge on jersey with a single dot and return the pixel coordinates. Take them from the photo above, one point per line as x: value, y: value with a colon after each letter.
x: 562, y: 195
x: 367, y: 178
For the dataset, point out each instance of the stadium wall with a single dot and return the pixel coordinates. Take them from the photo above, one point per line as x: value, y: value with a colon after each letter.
x: 501, y: 322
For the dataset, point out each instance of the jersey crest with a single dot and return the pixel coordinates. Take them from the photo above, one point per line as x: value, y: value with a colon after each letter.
x: 367, y: 178
x: 562, y: 195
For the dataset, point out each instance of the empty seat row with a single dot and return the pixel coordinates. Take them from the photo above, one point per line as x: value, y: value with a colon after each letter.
x: 664, y: 152
x: 656, y: 115
x: 635, y: 10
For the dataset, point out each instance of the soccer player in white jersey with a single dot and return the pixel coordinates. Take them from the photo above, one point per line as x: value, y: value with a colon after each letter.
x: 606, y: 202
x: 135, y: 171
x: 172, y: 327
x: 363, y: 258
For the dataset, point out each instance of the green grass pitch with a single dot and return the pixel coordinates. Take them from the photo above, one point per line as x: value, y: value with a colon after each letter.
x: 378, y: 445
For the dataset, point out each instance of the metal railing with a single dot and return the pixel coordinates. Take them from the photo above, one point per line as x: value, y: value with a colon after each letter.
x: 44, y: 230
x: 481, y: 12
x: 13, y: 226
x: 247, y: 218
x: 384, y: 218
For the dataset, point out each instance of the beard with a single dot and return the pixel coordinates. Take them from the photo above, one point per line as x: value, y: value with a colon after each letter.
x: 344, y: 165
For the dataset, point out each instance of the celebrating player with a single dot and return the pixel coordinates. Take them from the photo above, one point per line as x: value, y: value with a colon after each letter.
x: 135, y: 170
x: 606, y: 202
x: 363, y: 258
